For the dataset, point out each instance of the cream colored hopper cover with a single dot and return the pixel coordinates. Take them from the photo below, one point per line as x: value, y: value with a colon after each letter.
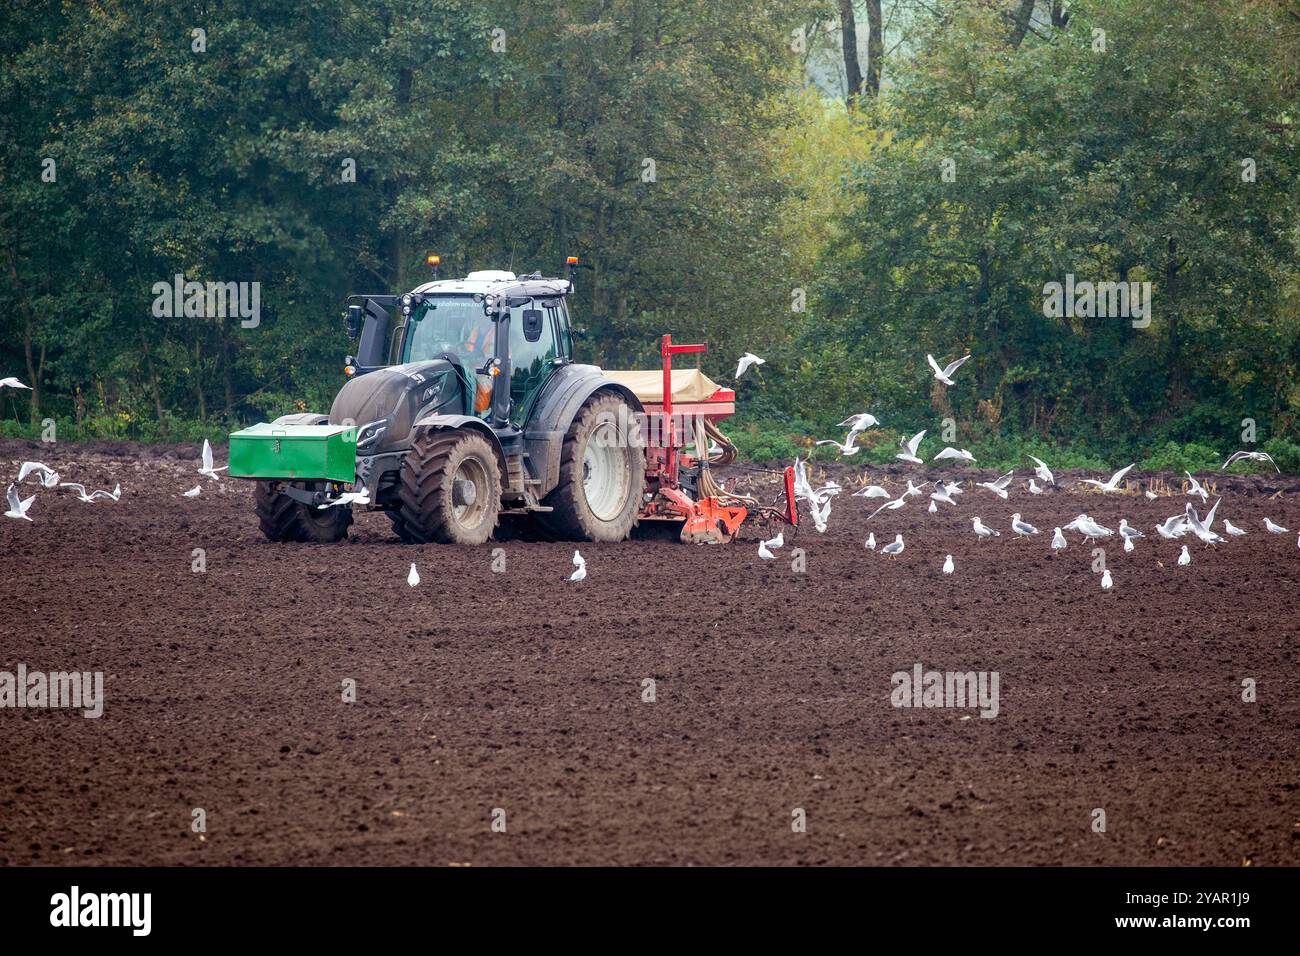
x: 689, y: 384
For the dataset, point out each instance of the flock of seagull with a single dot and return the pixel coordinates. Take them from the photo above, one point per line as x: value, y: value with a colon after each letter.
x: 1186, y: 522
x: 47, y: 477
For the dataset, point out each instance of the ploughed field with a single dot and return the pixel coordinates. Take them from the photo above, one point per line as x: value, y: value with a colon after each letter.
x: 516, y: 690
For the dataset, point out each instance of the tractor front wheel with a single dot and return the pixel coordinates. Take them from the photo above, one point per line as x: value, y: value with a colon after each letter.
x: 450, y: 489
x: 281, y: 518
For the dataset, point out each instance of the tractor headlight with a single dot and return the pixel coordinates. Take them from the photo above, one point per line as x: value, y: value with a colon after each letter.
x: 371, y: 433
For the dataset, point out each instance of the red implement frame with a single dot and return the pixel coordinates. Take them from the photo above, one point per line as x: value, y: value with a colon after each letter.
x: 708, y: 520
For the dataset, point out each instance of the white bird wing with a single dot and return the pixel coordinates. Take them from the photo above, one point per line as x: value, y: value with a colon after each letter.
x: 1116, y: 478
x: 15, y: 503
x: 1004, y: 481
x: 1209, y: 518
x: 915, y: 442
x: 934, y: 365
x: 948, y: 452
x: 13, y: 383
x: 953, y: 366
x: 207, y: 456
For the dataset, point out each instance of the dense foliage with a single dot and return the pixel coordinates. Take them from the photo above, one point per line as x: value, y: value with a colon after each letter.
x: 676, y: 146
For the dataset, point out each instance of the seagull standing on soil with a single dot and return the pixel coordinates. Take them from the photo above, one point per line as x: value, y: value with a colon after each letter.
x: 1042, y: 471
x: 1033, y: 487
x: 46, y: 475
x: 206, y: 468
x: 413, y: 578
x: 933, y: 508
x: 1184, y: 557
x: 909, y: 446
x: 983, y: 531
x: 1232, y: 529
x: 871, y: 541
x: 764, y: 546
x: 1127, y: 531
x: 1110, y: 485
x: 18, y: 508
x: 1106, y: 582
x: 747, y: 361
x: 193, y: 492
x: 998, y: 486
x: 1274, y: 528
x: 1149, y: 494
x: 894, y: 548
x: 947, y: 565
x: 1058, y: 541
x: 943, y: 374
x: 581, y: 564
x: 1023, y: 529
x: 1252, y: 456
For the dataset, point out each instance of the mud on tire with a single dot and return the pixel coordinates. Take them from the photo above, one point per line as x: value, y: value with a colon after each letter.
x: 449, y: 489
x: 281, y: 518
x: 602, y: 475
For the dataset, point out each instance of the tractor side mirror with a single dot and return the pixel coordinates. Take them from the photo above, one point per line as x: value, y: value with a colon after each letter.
x: 532, y: 324
x: 354, y: 321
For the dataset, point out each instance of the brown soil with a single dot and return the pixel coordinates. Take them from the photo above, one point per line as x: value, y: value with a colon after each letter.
x: 522, y: 691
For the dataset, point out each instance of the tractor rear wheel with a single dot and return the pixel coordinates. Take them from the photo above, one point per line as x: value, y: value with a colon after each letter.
x: 281, y: 518
x: 450, y: 489
x: 602, y: 475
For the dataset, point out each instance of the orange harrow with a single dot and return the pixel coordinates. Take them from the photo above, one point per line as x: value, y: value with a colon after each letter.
x: 680, y: 486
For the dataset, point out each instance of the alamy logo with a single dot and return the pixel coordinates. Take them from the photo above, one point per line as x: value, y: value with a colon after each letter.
x: 922, y: 688
x: 36, y: 690
x: 103, y: 909
x: 211, y: 300
x: 1102, y: 300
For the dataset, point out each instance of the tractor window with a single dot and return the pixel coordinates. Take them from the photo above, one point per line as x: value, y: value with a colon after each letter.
x: 530, y: 362
x: 454, y: 324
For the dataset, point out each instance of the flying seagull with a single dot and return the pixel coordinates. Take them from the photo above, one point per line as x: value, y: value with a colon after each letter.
x: 1252, y: 456
x: 361, y: 497
x: 943, y: 374
x: 983, y: 530
x: 581, y: 564
x: 944, y: 495
x: 1197, y: 488
x: 1110, y: 485
x: 113, y: 495
x: 998, y: 486
x: 947, y: 565
x: 871, y: 491
x: 959, y: 453
x: 747, y: 360
x: 206, y: 468
x: 909, y: 446
x: 46, y: 475
x: 1174, y: 527
x: 13, y: 383
x: 1022, y: 528
x: 848, y: 447
x: 18, y: 508
x: 889, y: 505
x: 1042, y: 471
x: 894, y: 548
x: 859, y: 422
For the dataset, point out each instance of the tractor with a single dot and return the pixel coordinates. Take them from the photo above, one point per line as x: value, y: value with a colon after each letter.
x: 464, y: 402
